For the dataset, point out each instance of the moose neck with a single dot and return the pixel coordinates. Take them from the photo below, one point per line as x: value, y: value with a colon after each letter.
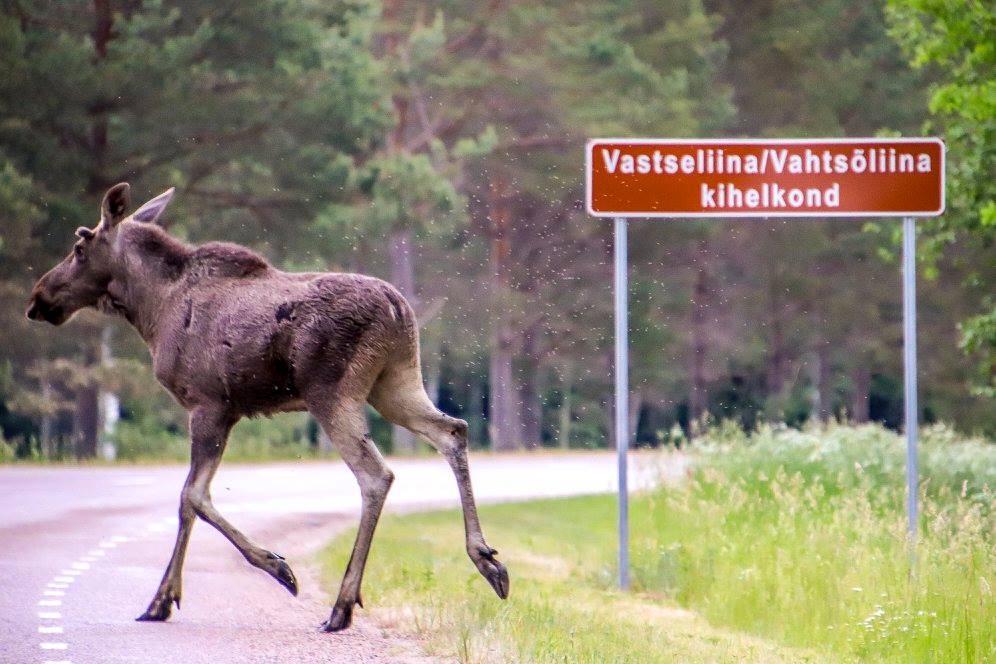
x: 147, y: 277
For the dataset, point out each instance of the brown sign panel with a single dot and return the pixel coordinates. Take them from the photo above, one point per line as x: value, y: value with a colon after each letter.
x: 851, y: 177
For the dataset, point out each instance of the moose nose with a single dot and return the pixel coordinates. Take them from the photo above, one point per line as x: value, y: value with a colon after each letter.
x: 34, y: 309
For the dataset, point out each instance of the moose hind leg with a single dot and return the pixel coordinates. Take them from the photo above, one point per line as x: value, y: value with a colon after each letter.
x: 402, y: 400
x: 345, y: 424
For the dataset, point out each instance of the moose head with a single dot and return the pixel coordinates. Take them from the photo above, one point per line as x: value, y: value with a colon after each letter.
x: 82, y: 277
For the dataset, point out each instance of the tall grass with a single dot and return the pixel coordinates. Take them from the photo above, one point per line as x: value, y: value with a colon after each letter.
x: 801, y: 536
x: 562, y: 608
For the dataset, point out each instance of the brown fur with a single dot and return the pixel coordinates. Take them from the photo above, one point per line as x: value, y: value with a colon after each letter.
x: 231, y: 336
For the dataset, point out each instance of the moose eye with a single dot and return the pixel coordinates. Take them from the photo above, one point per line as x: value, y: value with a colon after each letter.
x: 78, y: 250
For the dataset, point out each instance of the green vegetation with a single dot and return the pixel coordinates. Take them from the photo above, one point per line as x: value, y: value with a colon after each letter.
x: 284, y: 437
x: 795, y: 537
x: 957, y: 40
x: 562, y: 607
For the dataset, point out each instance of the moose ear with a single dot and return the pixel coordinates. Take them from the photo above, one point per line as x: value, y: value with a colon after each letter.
x: 151, y: 211
x: 115, y: 204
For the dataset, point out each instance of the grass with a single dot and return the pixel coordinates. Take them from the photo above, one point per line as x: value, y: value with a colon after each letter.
x: 781, y: 546
x: 561, y: 608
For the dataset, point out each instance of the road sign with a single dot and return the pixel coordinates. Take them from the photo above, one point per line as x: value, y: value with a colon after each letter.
x: 848, y: 177
x: 853, y: 177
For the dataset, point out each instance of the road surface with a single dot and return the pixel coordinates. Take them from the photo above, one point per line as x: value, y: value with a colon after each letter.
x: 82, y: 550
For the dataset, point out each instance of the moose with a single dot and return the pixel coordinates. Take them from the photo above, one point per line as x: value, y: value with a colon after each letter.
x: 231, y: 337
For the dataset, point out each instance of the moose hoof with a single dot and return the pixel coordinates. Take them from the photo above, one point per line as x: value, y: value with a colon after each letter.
x: 160, y: 608
x: 281, y: 571
x: 341, y: 618
x: 492, y: 570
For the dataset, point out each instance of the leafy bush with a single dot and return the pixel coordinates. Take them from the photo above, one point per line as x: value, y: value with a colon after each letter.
x: 282, y: 437
x: 7, y: 453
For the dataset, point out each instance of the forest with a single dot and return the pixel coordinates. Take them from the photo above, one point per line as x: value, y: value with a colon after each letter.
x: 440, y: 146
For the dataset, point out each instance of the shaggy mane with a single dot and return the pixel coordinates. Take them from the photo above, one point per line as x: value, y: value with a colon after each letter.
x: 225, y: 259
x: 174, y: 259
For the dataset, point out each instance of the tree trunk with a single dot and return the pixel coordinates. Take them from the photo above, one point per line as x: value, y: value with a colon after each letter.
x: 699, y: 396
x: 86, y: 418
x: 110, y: 404
x: 823, y: 384
x: 862, y: 389
x: 505, y: 415
x: 86, y: 421
x: 775, y: 370
x: 47, y: 441
x: 529, y: 392
x: 403, y: 441
x: 564, y: 416
x: 476, y: 415
x: 325, y: 446
x: 635, y: 406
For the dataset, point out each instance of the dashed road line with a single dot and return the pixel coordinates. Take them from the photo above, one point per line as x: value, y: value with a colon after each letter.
x: 53, y: 645
x: 56, y: 588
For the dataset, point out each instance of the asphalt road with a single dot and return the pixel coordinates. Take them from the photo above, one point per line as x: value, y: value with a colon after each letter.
x: 82, y: 550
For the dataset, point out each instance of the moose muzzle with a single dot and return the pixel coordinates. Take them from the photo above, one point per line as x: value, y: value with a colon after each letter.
x: 41, y: 309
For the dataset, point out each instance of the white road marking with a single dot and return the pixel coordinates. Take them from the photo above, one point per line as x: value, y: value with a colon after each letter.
x: 49, y: 629
x: 64, y: 579
x: 96, y: 552
x: 54, y: 593
x: 107, y: 544
x: 57, y: 585
x: 119, y: 539
x: 71, y: 572
x: 49, y: 615
x: 50, y: 645
x: 57, y: 661
x: 50, y: 602
x: 80, y: 565
x: 88, y: 559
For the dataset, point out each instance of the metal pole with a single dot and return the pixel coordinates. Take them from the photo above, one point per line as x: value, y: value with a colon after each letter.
x: 622, y: 394
x: 909, y: 372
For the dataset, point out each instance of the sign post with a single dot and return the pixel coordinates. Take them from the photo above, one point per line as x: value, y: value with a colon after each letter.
x: 909, y: 377
x: 620, y: 268
x: 723, y: 178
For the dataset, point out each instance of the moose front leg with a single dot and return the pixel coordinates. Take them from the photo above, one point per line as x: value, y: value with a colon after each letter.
x: 208, y: 435
x: 169, y: 588
x: 209, y: 431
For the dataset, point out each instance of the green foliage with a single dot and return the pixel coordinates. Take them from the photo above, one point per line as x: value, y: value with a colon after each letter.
x: 284, y: 437
x: 7, y: 453
x: 958, y: 40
